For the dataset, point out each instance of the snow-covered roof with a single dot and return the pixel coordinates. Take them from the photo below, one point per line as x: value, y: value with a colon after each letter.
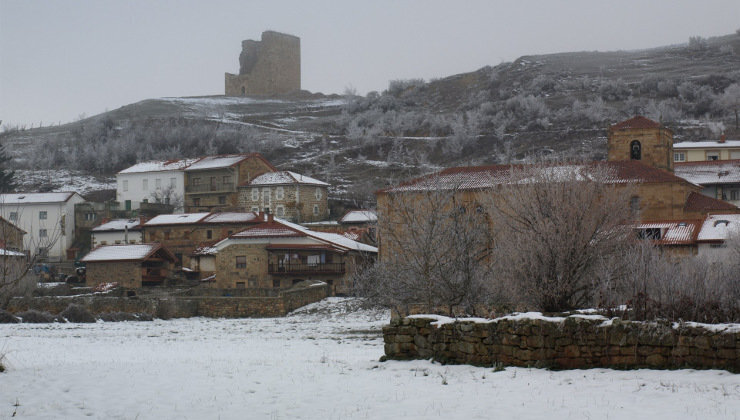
x: 279, y: 228
x: 9, y: 253
x: 479, y: 177
x: 222, y: 161
x: 121, y: 252
x: 285, y: 178
x: 680, y: 232
x: 176, y: 219
x: 118, y: 225
x: 159, y: 166
x: 706, y: 144
x: 36, y: 198
x: 359, y: 216
x: 718, y: 227
x: 709, y: 172
x: 231, y: 217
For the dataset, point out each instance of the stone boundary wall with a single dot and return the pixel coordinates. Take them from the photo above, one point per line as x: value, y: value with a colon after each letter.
x: 180, y: 306
x: 571, y: 343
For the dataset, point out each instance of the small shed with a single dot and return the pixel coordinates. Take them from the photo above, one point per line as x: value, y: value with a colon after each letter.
x: 131, y: 266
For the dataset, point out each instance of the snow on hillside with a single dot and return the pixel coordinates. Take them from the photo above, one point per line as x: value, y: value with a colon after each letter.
x: 320, y: 362
x: 57, y: 180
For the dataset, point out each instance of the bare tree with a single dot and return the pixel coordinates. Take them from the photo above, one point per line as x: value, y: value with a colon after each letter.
x: 555, y: 226
x: 168, y: 195
x: 731, y: 99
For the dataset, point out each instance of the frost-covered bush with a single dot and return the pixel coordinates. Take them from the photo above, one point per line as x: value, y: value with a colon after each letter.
x: 33, y: 316
x: 77, y: 313
x: 8, y: 318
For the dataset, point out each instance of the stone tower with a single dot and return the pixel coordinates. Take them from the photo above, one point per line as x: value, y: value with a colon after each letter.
x: 271, y: 66
x: 642, y: 139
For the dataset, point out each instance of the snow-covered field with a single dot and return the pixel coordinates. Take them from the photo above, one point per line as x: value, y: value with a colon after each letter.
x: 318, y: 363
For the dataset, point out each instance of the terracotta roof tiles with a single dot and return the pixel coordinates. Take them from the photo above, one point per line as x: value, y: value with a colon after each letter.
x: 701, y: 203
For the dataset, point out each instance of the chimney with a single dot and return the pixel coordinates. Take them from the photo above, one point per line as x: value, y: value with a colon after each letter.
x: 261, y: 215
x: 722, y: 138
x: 270, y: 217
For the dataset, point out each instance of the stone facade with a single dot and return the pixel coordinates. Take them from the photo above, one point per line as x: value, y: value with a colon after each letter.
x: 11, y: 236
x: 271, y: 66
x: 648, y: 142
x: 126, y: 273
x: 295, y: 203
x: 572, y: 343
x: 215, y: 189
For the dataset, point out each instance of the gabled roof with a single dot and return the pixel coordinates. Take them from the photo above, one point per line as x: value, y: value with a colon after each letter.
x: 279, y: 228
x: 225, y: 161
x: 636, y: 122
x: 36, y: 198
x: 9, y: 253
x: 159, y: 166
x: 359, y: 216
x: 709, y: 172
x: 284, y: 178
x: 706, y: 144
x: 203, y: 218
x: 697, y: 202
x: 674, y: 232
x: 13, y: 225
x: 138, y: 252
x: 119, y: 225
x: 719, y: 227
x: 479, y: 177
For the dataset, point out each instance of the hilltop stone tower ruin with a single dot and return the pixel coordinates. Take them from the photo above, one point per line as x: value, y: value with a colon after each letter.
x: 270, y: 66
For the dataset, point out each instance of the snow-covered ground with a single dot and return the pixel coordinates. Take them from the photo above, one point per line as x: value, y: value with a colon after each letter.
x: 62, y: 180
x: 318, y: 363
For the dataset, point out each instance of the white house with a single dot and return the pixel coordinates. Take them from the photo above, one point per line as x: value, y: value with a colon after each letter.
x: 47, y: 218
x: 119, y: 231
x: 146, y: 182
x: 719, y: 237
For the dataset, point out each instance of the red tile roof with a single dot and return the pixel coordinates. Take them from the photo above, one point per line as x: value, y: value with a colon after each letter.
x: 674, y: 232
x: 478, y: 177
x: 636, y: 122
x: 268, y: 230
x: 701, y: 203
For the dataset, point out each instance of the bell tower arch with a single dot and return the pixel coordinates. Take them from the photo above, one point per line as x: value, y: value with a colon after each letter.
x: 641, y: 139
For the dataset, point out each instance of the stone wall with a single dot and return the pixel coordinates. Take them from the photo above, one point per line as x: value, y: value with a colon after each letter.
x: 570, y: 343
x: 267, y: 67
x: 212, y: 306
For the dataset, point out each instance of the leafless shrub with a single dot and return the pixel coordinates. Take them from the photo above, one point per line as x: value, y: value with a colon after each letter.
x: 8, y: 318
x: 77, y: 313
x: 33, y: 316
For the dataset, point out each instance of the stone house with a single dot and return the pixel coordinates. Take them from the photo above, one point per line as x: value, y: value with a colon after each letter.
x: 131, y: 266
x: 279, y: 254
x: 640, y: 158
x: 11, y: 236
x: 116, y: 232
x: 47, y: 218
x: 287, y: 195
x: 211, y: 182
x: 183, y: 233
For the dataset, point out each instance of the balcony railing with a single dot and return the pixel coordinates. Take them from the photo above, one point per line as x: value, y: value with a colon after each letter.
x: 217, y: 187
x: 294, y: 268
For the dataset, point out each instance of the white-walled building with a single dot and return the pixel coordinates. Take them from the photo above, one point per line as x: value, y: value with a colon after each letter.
x: 719, y: 236
x: 116, y: 232
x: 47, y: 218
x: 145, y: 182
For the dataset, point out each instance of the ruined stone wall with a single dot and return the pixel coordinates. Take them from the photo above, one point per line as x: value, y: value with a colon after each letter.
x: 267, y: 67
x: 570, y: 344
x: 126, y: 273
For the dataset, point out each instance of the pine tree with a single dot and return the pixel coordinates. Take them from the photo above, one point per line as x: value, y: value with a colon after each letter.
x: 7, y: 176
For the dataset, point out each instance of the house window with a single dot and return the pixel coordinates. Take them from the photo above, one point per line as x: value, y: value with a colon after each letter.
x: 89, y: 216
x: 42, y: 215
x: 276, y: 283
x: 635, y: 150
x: 280, y: 211
x: 679, y: 157
x: 196, y: 202
x: 172, y: 182
x: 318, y: 193
x: 255, y: 194
x: 226, y: 179
x: 255, y: 208
x: 241, y: 261
x: 315, y: 209
x: 222, y: 199
x: 649, y: 233
x: 209, y: 234
x: 712, y: 155
x: 252, y: 281
x: 196, y: 181
x: 279, y: 193
x: 734, y: 195
x: 145, y: 184
x: 43, y: 233
x: 158, y: 183
x: 720, y: 245
x: 240, y: 285
x: 266, y: 196
x: 13, y: 216
x: 125, y: 185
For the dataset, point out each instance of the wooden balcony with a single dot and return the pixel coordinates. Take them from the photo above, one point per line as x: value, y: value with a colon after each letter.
x: 302, y: 269
x: 211, y: 187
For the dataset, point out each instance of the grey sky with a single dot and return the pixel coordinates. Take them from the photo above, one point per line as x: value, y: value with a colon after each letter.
x: 60, y: 59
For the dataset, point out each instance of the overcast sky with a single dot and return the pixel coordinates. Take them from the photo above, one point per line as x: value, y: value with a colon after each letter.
x: 61, y: 59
